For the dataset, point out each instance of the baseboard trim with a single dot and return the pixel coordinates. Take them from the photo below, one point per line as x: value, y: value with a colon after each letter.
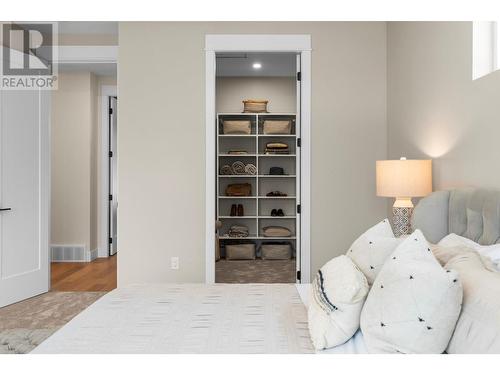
x: 72, y: 253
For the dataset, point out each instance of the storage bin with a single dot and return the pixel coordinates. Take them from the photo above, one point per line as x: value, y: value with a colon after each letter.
x: 277, y: 127
x: 276, y: 251
x: 244, y: 251
x: 236, y: 127
x: 255, y: 106
x: 239, y: 190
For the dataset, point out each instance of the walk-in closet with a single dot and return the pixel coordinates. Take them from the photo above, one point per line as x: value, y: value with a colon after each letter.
x: 257, y: 167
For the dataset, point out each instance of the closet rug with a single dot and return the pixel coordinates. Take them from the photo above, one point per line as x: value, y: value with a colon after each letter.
x: 255, y: 271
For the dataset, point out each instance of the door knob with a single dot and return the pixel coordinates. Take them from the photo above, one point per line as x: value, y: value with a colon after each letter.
x: 5, y: 209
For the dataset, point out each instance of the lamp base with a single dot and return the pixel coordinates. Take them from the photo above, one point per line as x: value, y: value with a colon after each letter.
x: 401, y: 220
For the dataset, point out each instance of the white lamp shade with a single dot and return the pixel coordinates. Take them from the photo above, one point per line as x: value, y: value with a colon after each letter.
x: 404, y: 178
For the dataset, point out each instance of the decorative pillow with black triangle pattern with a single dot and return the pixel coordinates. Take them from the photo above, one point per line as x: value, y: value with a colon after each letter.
x: 370, y: 251
x: 414, y: 303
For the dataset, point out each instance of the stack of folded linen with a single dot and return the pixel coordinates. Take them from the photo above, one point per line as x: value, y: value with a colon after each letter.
x: 277, y: 148
x: 238, y: 231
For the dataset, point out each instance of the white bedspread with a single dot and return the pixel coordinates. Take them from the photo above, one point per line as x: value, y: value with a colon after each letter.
x: 188, y: 318
x: 194, y: 318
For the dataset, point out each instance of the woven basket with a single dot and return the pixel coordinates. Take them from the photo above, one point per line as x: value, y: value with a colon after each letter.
x: 255, y: 106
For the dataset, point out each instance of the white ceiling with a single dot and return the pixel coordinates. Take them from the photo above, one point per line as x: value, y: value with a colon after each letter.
x: 99, y: 69
x: 85, y: 27
x: 240, y: 64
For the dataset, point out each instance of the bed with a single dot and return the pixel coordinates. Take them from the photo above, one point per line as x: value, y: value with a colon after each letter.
x: 193, y: 318
x: 257, y: 318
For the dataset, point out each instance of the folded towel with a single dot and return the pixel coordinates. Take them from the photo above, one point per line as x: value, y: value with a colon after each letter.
x: 238, y: 167
x: 250, y: 169
x: 226, y: 169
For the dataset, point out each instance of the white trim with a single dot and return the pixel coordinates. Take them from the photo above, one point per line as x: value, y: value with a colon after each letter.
x: 257, y: 43
x: 305, y: 167
x: 261, y: 43
x: 105, y: 93
x: 72, y: 253
x: 87, y: 54
x: 210, y: 178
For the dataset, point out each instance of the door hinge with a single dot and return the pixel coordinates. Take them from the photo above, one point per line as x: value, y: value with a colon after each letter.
x: 110, y: 197
x: 299, y: 142
x: 110, y: 154
x: 299, y: 76
x: 111, y: 111
x: 298, y: 275
x: 110, y: 240
x: 298, y: 208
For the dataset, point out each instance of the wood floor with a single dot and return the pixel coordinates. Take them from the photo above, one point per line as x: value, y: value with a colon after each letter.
x: 96, y: 276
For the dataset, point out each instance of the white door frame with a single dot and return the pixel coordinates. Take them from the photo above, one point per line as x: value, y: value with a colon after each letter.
x: 106, y: 92
x: 257, y: 43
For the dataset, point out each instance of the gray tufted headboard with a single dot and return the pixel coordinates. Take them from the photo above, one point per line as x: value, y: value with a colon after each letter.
x: 471, y: 213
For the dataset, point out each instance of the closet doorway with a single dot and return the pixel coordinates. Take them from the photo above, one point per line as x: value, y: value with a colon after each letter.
x: 261, y: 235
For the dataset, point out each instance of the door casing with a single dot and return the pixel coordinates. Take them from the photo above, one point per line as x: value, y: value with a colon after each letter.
x: 300, y: 44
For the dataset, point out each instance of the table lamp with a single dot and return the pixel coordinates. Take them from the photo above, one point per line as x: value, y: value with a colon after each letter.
x: 403, y: 179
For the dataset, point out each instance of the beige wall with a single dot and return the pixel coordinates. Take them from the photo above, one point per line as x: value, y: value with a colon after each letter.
x: 162, y: 140
x: 435, y: 110
x: 76, y: 138
x: 280, y: 91
x: 71, y: 121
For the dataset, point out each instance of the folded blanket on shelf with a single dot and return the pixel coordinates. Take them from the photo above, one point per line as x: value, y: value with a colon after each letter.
x: 276, y: 151
x: 238, y: 231
x: 276, y: 145
x: 276, y: 231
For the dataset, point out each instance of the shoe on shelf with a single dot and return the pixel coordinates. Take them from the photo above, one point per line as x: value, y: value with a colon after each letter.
x: 274, y: 212
x: 280, y: 212
x: 233, y: 210
x: 240, y: 210
x: 276, y: 193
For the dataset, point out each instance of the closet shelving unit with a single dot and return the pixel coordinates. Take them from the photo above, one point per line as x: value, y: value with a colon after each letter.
x: 258, y: 206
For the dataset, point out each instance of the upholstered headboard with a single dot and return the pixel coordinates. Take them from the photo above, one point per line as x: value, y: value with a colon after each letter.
x: 471, y: 213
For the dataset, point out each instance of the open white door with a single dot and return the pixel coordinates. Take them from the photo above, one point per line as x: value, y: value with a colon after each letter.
x: 24, y: 194
x: 298, y: 255
x: 113, y: 176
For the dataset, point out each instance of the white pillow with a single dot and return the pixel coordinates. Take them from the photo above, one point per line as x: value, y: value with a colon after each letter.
x: 478, y: 327
x: 372, y: 248
x: 414, y: 304
x: 492, y: 251
x: 338, y: 293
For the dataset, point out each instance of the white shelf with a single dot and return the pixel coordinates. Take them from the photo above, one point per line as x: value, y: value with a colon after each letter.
x: 275, y: 135
x: 237, y: 135
x: 237, y: 175
x: 258, y: 203
x: 225, y: 237
x: 276, y: 175
x: 288, y: 197
x: 276, y: 155
x: 278, y: 217
x: 237, y: 155
x: 229, y: 197
x: 238, y: 217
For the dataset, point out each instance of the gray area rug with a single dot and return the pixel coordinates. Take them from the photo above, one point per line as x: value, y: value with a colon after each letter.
x: 255, y: 271
x: 24, y: 325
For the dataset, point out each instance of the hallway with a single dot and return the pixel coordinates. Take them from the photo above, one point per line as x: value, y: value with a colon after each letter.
x: 96, y: 276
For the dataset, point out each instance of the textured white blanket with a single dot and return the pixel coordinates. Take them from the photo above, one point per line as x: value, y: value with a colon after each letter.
x: 189, y: 318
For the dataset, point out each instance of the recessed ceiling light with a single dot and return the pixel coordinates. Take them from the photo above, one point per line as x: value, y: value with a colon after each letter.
x: 257, y: 65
